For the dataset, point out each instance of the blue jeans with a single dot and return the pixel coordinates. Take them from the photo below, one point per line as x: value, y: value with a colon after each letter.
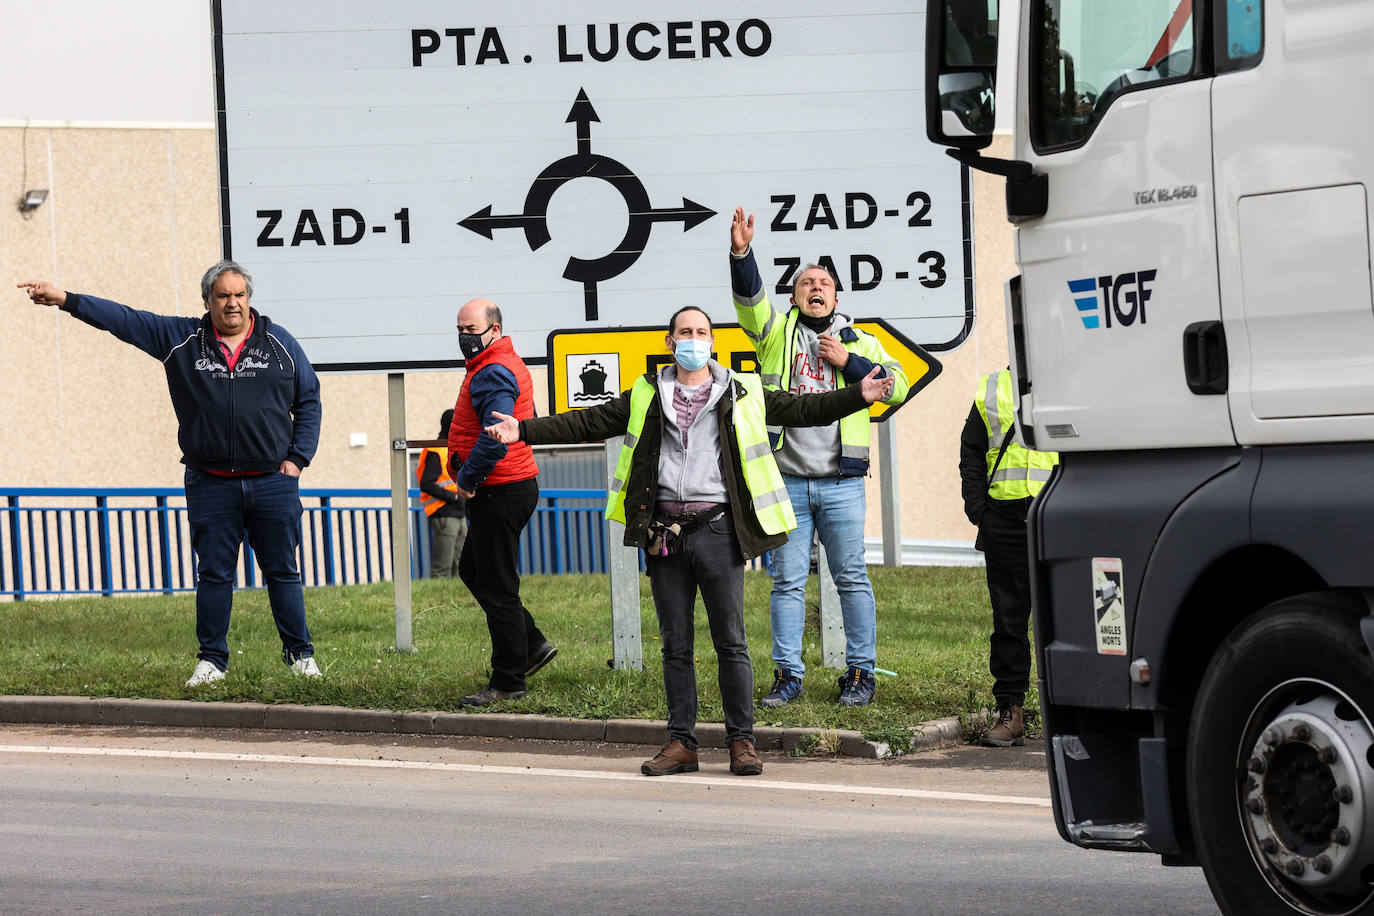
x: 221, y: 511
x: 834, y: 507
x: 710, y: 562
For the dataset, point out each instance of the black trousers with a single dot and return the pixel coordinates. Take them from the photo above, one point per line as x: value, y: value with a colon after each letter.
x: 496, y: 517
x: 708, y: 563
x: 1004, y: 543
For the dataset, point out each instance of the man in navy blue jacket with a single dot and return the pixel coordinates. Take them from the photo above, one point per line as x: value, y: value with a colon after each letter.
x: 247, y: 404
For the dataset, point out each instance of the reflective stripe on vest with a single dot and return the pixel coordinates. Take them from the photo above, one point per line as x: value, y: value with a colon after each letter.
x: 762, y: 479
x: 430, y: 503
x: 761, y: 475
x: 1023, y: 472
x: 641, y: 396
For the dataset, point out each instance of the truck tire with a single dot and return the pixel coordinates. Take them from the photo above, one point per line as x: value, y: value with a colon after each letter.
x: 1280, y: 763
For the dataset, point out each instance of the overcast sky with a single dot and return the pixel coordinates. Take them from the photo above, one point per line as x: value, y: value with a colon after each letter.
x: 98, y: 60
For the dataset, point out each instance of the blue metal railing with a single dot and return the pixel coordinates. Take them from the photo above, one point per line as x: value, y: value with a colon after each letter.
x: 72, y: 540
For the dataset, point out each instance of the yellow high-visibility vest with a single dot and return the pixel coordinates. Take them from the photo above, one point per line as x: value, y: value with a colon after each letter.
x: 1022, y: 471
x: 762, y: 478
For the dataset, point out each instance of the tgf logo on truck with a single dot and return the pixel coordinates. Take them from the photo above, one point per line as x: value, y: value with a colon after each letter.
x: 1130, y: 289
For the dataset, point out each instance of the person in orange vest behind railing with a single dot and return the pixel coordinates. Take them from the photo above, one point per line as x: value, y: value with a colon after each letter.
x: 448, y: 522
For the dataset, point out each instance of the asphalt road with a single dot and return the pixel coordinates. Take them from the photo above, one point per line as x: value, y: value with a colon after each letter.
x: 156, y: 820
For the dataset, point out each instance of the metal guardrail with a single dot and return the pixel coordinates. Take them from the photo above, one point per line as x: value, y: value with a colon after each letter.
x: 87, y: 541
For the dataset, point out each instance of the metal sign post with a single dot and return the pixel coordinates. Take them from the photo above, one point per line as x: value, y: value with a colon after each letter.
x: 624, y: 564
x: 887, y: 478
x: 400, y: 508
x: 832, y: 620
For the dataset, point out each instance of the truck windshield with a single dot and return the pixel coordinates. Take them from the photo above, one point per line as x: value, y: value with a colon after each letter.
x: 1090, y: 51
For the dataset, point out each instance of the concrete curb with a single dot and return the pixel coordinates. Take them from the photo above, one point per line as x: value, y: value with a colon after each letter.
x: 287, y: 716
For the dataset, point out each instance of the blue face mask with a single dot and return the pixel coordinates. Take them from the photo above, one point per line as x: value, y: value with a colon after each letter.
x: 691, y: 354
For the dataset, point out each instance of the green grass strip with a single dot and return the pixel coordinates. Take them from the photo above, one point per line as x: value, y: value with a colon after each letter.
x: 933, y: 625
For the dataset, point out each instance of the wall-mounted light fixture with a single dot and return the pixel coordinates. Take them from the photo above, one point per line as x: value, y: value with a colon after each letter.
x: 32, y: 199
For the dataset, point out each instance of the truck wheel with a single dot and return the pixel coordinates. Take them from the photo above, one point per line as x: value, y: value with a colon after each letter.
x: 1281, y: 763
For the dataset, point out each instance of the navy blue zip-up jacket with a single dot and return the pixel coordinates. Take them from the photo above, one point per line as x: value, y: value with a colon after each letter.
x: 264, y: 412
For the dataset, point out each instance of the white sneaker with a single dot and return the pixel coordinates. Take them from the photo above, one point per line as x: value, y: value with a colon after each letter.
x: 205, y: 673
x: 306, y: 667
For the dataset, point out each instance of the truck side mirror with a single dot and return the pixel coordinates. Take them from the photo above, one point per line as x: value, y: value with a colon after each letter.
x: 961, y: 72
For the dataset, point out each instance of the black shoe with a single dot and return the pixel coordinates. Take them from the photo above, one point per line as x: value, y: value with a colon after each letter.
x: 539, y: 658
x: 488, y: 695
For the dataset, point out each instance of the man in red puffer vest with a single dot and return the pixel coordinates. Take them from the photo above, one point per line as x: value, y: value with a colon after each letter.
x: 499, y: 482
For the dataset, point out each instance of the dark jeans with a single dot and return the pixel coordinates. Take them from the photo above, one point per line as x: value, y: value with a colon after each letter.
x: 709, y: 562
x: 221, y: 510
x: 496, y: 517
x: 1004, y: 544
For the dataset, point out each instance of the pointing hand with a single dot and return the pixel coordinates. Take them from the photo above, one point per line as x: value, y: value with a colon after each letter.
x: 43, y: 293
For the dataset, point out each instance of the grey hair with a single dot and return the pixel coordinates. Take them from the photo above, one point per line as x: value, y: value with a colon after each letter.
x: 796, y: 277
x: 224, y: 267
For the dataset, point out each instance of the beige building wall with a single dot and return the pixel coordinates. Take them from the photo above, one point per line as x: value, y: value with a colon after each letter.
x: 133, y: 215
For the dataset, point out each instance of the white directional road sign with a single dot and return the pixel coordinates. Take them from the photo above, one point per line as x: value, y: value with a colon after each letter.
x: 382, y: 163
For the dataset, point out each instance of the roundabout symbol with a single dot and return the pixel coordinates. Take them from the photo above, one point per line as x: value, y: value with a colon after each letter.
x: 586, y: 164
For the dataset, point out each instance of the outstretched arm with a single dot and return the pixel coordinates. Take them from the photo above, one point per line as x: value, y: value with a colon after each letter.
x: 154, y: 334
x: 787, y: 409
x: 587, y: 424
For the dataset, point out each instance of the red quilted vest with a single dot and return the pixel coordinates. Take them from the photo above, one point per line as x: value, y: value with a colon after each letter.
x: 462, y: 435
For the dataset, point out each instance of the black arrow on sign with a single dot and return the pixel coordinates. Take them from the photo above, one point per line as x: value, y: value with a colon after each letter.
x: 691, y: 213
x: 583, y: 114
x: 483, y: 222
x: 586, y: 164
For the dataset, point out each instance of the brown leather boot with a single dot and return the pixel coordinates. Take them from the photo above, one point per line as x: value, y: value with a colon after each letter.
x: 1010, y: 730
x: 675, y: 757
x: 744, y: 761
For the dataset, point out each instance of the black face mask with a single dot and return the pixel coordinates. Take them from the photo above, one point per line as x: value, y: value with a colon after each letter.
x: 471, y: 344
x: 819, y: 325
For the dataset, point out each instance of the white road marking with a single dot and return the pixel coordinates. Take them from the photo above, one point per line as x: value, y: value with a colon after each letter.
x: 734, y: 782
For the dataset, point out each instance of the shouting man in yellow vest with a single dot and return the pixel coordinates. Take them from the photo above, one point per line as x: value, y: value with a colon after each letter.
x: 810, y: 347
x: 698, y: 490
x: 448, y: 522
x: 999, y: 477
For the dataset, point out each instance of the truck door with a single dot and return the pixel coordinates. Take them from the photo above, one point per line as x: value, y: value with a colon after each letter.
x: 1293, y: 171
x: 1124, y: 260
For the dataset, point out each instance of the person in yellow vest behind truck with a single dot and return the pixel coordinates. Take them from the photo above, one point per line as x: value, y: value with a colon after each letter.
x: 697, y: 489
x: 448, y: 522
x: 999, y: 477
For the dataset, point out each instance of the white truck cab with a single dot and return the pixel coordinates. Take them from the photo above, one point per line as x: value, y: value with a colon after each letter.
x: 1193, y: 331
